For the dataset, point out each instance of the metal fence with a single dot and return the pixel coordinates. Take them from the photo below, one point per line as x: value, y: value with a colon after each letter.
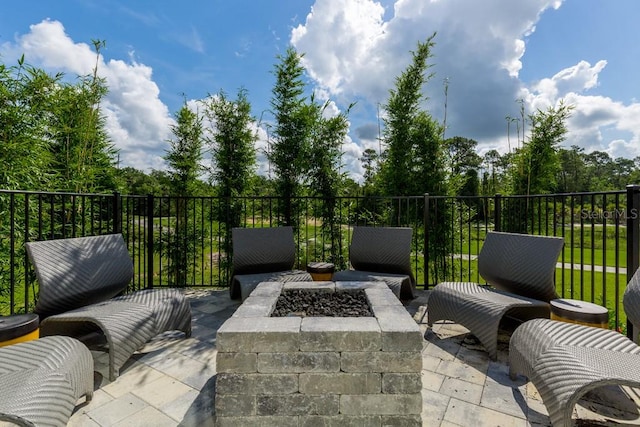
x: 179, y: 241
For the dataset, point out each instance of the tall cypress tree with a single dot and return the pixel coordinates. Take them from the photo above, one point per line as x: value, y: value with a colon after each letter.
x: 325, y: 178
x: 183, y: 158
x: 234, y: 157
x: 290, y: 136
x: 413, y: 162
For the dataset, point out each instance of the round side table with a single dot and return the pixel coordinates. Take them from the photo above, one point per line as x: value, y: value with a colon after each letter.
x: 582, y: 312
x: 321, y: 271
x: 19, y: 328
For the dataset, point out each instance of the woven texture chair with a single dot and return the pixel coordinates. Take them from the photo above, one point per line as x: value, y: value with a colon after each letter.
x: 79, y: 281
x: 263, y: 255
x: 519, y: 270
x: 381, y: 254
x: 41, y: 380
x: 564, y: 361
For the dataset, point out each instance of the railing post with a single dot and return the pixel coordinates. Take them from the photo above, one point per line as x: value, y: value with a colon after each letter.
x: 497, y: 212
x: 149, y: 229
x: 633, y: 239
x: 117, y: 212
x: 425, y: 252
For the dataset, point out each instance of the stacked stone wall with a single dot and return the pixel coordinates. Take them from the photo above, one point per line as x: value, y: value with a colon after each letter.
x: 319, y: 371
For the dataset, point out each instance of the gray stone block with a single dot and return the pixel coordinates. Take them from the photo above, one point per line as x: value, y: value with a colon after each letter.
x: 340, y: 383
x: 381, y: 404
x: 340, y: 334
x: 256, y: 384
x: 251, y: 335
x: 310, y: 286
x: 340, y: 421
x: 400, y: 421
x: 352, y: 285
x: 240, y: 363
x: 299, y: 362
x: 405, y: 383
x: 257, y: 421
x: 382, y: 296
x: 267, y: 289
x: 381, y: 361
x: 256, y: 306
x: 230, y: 405
x: 298, y: 404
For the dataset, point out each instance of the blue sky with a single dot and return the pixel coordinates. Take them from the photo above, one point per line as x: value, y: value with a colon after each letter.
x: 491, y: 52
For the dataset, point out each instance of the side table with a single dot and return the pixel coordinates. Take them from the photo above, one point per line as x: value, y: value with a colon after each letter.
x: 19, y: 328
x: 321, y: 271
x: 582, y: 312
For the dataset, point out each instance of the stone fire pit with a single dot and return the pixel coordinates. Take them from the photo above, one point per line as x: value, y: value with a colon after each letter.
x: 325, y: 371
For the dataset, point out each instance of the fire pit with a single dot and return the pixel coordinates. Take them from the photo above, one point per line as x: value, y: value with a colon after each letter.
x: 306, y: 370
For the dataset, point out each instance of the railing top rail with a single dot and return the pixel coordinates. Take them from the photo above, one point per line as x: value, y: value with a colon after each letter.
x: 56, y: 193
x: 432, y: 196
x: 586, y: 193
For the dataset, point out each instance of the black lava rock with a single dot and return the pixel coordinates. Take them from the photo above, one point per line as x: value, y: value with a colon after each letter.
x: 306, y: 303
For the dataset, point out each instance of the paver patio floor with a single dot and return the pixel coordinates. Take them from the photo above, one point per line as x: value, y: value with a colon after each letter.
x: 171, y: 381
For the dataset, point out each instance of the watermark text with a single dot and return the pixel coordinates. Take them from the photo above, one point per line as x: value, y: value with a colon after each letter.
x: 615, y: 214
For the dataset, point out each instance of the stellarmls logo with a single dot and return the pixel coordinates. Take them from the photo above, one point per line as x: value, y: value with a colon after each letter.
x: 616, y: 214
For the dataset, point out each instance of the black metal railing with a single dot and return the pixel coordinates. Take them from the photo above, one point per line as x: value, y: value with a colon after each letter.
x: 178, y: 241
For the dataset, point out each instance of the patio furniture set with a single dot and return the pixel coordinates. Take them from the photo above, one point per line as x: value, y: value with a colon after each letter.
x: 82, y: 307
x: 83, y: 303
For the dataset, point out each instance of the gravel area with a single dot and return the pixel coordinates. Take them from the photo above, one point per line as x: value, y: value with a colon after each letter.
x: 332, y: 304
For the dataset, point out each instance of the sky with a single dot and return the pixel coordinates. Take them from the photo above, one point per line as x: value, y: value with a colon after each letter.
x: 490, y: 58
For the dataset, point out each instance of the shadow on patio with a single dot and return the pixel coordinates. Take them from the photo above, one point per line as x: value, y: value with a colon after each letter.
x: 171, y: 381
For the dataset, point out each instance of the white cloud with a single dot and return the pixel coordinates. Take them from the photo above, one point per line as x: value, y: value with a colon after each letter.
x: 354, y: 50
x: 137, y: 121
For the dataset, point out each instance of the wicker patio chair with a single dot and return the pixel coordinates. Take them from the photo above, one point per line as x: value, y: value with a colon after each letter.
x: 41, y: 380
x: 519, y: 270
x: 263, y: 255
x: 564, y: 361
x: 381, y: 254
x: 80, y: 281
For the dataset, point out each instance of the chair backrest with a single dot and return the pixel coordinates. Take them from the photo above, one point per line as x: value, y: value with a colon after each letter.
x: 520, y: 263
x: 631, y: 301
x: 263, y: 250
x: 382, y: 250
x: 79, y: 271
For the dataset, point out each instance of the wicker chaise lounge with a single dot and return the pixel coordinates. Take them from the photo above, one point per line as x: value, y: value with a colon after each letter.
x: 564, y: 361
x: 263, y: 255
x: 519, y: 270
x: 80, y: 281
x: 381, y: 254
x: 41, y: 380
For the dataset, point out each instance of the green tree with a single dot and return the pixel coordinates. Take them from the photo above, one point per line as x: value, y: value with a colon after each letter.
x: 369, y: 161
x: 231, y: 142
x: 622, y: 172
x: 183, y: 159
x: 599, y: 169
x: 325, y: 178
x: 234, y: 156
x: 24, y: 113
x: 494, y: 167
x: 571, y: 175
x: 84, y: 157
x: 536, y: 165
x: 134, y: 181
x: 462, y: 157
x: 290, y: 137
x: 414, y: 160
